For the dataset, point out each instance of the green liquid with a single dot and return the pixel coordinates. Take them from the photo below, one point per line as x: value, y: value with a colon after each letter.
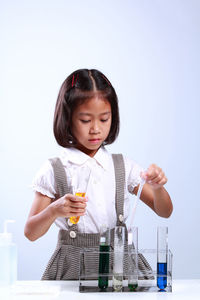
x: 132, y: 286
x: 103, y: 266
x: 118, y: 282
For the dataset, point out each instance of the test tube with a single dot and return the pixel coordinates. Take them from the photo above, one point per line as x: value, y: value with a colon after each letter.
x: 133, y: 258
x: 119, y: 238
x: 162, y: 252
x: 104, y: 248
x: 79, y: 187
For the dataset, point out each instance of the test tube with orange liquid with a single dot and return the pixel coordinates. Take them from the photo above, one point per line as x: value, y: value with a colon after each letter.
x: 74, y: 220
x: 81, y: 185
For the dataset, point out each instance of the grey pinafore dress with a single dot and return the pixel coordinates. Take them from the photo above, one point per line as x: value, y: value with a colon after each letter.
x: 65, y: 261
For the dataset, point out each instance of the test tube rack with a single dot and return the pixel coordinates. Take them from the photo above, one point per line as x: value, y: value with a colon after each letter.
x: 147, y: 279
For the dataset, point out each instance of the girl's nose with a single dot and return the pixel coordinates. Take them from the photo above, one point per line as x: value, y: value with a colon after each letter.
x: 94, y: 128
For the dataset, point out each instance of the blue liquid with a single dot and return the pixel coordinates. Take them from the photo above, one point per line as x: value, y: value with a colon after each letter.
x: 162, y: 280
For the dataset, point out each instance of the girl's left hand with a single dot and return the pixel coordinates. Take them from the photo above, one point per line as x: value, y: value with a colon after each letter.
x: 154, y: 176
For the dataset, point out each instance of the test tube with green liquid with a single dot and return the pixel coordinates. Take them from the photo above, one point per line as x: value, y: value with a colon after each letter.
x: 119, y: 239
x: 104, y: 249
x: 133, y: 258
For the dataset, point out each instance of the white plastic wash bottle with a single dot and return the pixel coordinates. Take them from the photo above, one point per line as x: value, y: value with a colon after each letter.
x: 8, y: 257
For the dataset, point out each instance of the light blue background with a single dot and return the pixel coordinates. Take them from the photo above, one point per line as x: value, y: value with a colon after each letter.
x: 150, y: 51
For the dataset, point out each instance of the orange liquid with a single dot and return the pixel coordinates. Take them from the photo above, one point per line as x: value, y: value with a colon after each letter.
x: 74, y: 220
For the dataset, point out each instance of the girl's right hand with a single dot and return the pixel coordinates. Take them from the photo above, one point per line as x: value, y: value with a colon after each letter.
x: 69, y: 206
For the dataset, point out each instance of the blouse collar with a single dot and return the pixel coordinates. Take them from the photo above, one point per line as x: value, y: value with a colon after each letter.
x: 78, y: 157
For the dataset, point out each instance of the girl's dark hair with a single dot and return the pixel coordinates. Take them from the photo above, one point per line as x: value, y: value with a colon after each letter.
x: 82, y: 85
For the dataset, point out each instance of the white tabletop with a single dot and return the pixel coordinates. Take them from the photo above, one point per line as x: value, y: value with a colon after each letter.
x: 69, y: 290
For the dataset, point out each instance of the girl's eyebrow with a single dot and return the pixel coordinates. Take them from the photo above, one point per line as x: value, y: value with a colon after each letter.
x: 88, y: 114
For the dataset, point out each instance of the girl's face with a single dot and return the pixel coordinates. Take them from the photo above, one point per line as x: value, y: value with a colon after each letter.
x: 91, y: 122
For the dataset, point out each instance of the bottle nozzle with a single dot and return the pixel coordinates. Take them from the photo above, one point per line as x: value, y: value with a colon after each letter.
x: 6, y: 225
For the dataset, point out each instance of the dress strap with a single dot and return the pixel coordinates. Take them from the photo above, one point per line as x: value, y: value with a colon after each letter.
x: 62, y: 186
x: 120, y: 182
x: 60, y: 177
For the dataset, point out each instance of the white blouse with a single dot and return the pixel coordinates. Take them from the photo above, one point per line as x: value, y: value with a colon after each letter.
x: 100, y: 189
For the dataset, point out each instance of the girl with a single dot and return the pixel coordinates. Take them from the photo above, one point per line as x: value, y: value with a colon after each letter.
x: 86, y: 119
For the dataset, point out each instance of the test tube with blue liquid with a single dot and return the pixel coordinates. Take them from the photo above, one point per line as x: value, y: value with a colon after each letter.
x: 162, y: 254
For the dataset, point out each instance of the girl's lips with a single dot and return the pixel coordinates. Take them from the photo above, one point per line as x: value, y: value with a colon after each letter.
x: 94, y: 141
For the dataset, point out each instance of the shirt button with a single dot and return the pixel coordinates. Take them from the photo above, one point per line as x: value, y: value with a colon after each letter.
x: 72, y: 234
x: 69, y: 222
x: 121, y: 218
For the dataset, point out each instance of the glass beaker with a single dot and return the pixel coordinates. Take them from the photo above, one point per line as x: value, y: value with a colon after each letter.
x: 119, y: 239
x: 80, y: 187
x: 162, y: 253
x: 133, y: 258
